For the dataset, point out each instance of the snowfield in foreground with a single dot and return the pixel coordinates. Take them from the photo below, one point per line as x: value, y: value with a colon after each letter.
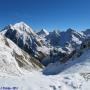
x: 37, y: 81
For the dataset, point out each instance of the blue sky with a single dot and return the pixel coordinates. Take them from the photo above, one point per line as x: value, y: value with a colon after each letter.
x: 49, y: 14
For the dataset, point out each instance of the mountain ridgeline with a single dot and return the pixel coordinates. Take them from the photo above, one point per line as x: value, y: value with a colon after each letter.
x: 27, y: 58
x: 46, y: 47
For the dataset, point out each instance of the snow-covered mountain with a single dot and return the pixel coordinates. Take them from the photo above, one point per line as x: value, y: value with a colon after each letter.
x: 22, y: 35
x: 13, y: 60
x: 78, y: 63
x: 57, y: 38
x: 66, y: 56
x: 63, y: 45
x: 43, y: 43
x: 75, y: 73
x: 43, y: 33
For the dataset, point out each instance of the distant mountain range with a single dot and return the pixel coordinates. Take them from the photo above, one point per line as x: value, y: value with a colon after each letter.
x: 37, y: 55
x: 36, y: 43
x: 41, y: 43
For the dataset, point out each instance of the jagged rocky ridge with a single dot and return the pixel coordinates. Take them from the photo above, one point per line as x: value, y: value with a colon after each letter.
x: 47, y: 47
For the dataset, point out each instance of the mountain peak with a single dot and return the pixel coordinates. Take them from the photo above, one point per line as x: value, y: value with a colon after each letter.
x: 70, y: 30
x: 21, y: 23
x: 56, y: 32
x: 20, y: 27
x: 43, y: 32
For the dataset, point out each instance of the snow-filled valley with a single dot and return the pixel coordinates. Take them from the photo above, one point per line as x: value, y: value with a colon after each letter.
x: 44, y: 60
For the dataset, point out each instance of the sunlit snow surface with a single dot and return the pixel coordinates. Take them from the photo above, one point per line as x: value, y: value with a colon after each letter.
x: 37, y: 81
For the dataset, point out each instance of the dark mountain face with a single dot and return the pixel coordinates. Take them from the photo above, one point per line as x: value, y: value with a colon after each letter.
x: 87, y: 32
x: 62, y: 38
x: 54, y: 38
x: 24, y: 37
x: 28, y: 45
x: 43, y: 33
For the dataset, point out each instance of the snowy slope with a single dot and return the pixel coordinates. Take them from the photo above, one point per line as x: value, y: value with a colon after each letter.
x: 13, y: 59
x: 7, y: 60
x: 81, y: 65
x: 37, y: 81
